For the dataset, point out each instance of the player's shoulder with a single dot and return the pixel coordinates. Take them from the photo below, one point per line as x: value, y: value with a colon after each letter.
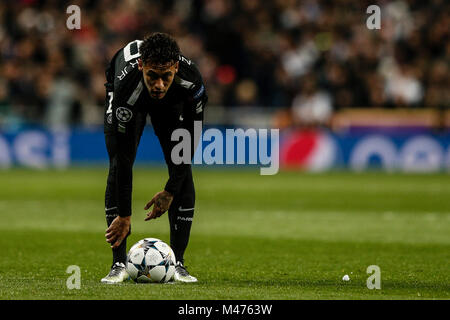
x: 123, y: 69
x: 128, y: 53
x: 188, y: 76
x: 126, y: 56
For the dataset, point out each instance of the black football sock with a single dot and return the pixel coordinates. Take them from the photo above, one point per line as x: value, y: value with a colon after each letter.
x: 119, y: 253
x: 180, y: 229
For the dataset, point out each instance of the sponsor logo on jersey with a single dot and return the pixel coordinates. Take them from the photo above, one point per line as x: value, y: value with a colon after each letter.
x: 123, y: 114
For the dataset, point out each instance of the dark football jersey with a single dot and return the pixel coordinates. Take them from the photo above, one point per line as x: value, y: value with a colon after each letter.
x: 127, y: 105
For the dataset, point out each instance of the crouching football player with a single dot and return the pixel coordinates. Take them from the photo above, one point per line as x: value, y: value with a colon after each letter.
x: 150, y: 77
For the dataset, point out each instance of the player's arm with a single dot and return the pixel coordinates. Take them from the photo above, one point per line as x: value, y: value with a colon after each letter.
x: 127, y: 123
x: 124, y: 155
x: 119, y: 132
x: 193, y: 111
x: 124, y: 149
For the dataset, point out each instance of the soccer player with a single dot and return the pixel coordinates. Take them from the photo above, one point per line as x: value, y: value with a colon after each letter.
x: 150, y: 77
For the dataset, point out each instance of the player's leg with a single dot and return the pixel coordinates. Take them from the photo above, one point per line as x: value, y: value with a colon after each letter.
x: 118, y: 271
x: 181, y: 214
x: 111, y: 211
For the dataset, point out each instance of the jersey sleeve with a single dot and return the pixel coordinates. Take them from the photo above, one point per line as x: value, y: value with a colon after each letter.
x: 122, y: 122
x: 193, y: 112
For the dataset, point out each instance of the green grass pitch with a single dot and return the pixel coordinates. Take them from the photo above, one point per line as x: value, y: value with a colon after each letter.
x: 288, y: 236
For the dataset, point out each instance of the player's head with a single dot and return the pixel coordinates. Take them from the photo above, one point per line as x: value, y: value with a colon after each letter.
x: 159, y: 63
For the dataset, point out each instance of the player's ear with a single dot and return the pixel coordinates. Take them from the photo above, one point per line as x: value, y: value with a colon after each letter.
x: 176, y: 66
x: 140, y: 64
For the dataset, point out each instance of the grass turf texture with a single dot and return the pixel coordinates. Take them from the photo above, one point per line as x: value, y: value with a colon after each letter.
x: 289, y: 236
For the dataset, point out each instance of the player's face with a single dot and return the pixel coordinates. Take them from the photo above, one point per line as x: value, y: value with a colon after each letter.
x: 158, y: 78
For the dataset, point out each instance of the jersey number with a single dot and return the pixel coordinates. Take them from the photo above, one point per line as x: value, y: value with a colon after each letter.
x: 111, y: 95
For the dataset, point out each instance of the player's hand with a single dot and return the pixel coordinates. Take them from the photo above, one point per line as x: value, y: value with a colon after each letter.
x: 118, y: 230
x: 161, y: 203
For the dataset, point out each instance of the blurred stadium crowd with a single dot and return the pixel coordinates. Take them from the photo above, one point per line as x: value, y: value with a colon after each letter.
x: 311, y: 56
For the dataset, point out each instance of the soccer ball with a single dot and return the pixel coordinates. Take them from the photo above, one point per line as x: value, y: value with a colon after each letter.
x: 151, y: 260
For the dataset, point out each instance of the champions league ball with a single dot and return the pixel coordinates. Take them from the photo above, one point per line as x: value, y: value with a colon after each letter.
x: 151, y: 260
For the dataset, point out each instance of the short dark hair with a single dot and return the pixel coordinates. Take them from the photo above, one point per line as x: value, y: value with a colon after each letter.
x: 159, y: 48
